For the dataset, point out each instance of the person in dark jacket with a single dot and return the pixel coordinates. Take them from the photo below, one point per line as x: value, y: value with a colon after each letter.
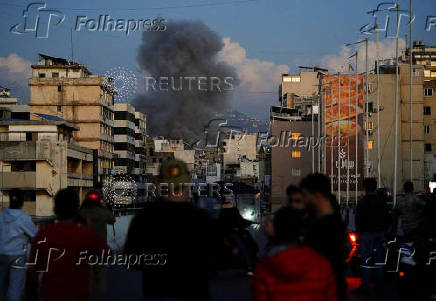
x: 325, y: 231
x: 178, y: 238
x: 98, y: 217
x: 372, y: 221
x: 291, y: 271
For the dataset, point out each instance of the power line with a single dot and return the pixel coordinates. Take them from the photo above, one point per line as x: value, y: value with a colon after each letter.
x: 144, y: 8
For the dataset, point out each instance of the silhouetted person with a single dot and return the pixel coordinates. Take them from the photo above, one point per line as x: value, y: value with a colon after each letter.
x: 325, y: 232
x: 16, y: 230
x: 295, y: 198
x: 291, y: 271
x: 60, y: 255
x: 372, y: 221
x: 98, y: 217
x: 233, y: 227
x: 409, y: 208
x: 178, y: 237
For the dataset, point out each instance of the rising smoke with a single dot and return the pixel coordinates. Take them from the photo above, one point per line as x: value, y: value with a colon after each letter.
x: 185, y: 49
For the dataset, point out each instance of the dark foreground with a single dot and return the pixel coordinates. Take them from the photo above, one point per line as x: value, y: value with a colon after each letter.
x: 227, y: 286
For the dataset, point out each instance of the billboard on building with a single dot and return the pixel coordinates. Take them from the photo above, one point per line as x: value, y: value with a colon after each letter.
x: 340, y: 125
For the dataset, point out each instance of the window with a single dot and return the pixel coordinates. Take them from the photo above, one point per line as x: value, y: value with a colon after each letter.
x: 370, y: 144
x: 296, y: 172
x: 428, y: 92
x: 427, y: 110
x: 427, y: 147
x: 427, y: 73
x: 41, y: 75
x: 55, y: 75
x: 370, y: 106
x: 59, y: 88
x: 23, y: 166
x: 296, y: 154
x: 427, y: 129
x: 59, y: 108
x: 369, y: 125
x: 296, y: 135
x: 416, y: 72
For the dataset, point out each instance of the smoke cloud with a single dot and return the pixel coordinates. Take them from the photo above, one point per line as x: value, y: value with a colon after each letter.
x: 14, y: 74
x: 185, y: 49
x: 339, y: 62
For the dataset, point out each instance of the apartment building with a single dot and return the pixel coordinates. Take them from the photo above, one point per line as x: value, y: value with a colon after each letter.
x: 70, y: 91
x: 387, y: 126
x: 12, y: 105
x: 295, y: 118
x: 140, y: 145
x: 425, y: 55
x: 40, y: 157
x: 124, y: 138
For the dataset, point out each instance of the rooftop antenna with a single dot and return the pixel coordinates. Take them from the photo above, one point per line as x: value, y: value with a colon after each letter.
x: 71, y: 43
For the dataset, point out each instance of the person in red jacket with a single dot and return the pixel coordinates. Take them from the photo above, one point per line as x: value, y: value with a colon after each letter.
x: 290, y: 271
x: 60, y: 257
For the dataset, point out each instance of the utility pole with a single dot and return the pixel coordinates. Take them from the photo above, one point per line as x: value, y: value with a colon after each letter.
x: 378, y: 110
x: 325, y: 130
x: 396, y: 110
x: 356, y: 125
x: 339, y: 138
x: 348, y: 140
x: 410, y: 91
x: 318, y: 119
x: 366, y: 109
x: 331, y: 135
x: 313, y: 135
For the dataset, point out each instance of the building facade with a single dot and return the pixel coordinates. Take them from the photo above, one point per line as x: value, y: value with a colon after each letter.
x: 70, y: 91
x: 40, y: 157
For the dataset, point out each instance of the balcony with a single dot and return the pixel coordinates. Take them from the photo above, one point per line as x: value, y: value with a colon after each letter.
x: 18, y: 179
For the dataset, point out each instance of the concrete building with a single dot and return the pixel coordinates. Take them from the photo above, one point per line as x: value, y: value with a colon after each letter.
x: 140, y: 142
x: 236, y: 146
x: 387, y: 113
x: 302, y: 84
x: 70, y: 91
x: 12, y: 105
x: 155, y: 158
x: 425, y: 55
x: 40, y: 157
x: 124, y: 138
x: 290, y: 123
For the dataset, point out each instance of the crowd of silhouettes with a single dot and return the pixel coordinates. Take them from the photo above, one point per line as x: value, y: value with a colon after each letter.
x: 303, y: 257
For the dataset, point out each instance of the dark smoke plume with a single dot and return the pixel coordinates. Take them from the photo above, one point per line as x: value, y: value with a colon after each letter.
x: 185, y: 49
